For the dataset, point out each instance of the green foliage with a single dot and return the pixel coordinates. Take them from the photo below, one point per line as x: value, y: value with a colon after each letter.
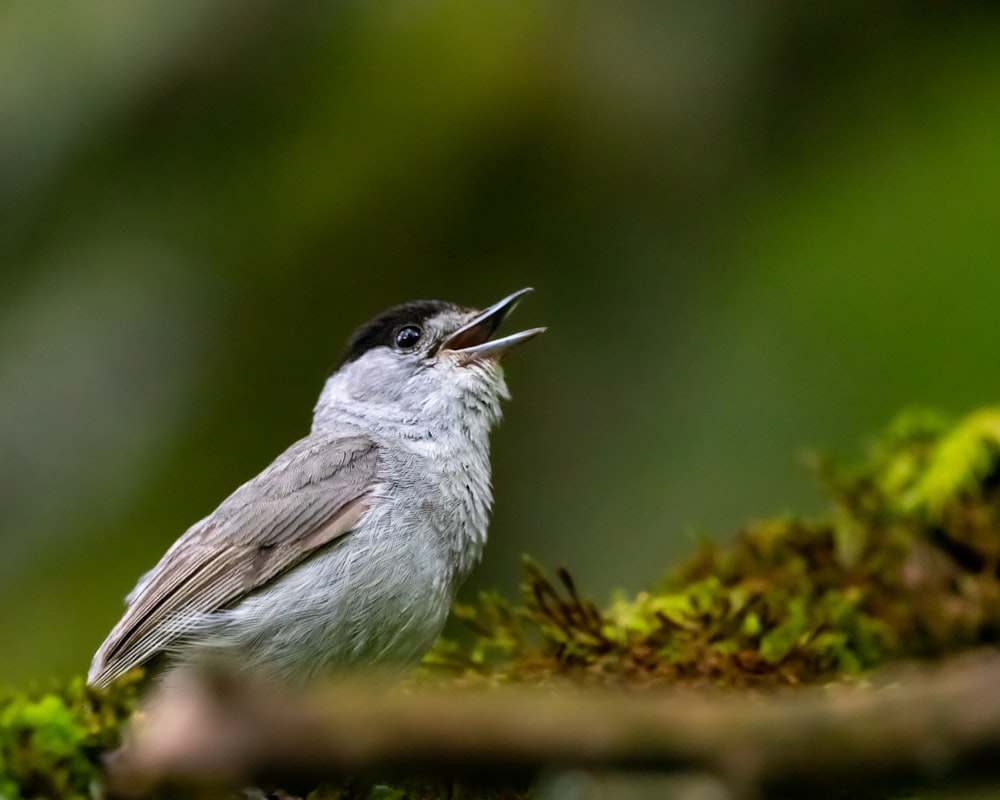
x: 904, y: 564
x: 51, y: 744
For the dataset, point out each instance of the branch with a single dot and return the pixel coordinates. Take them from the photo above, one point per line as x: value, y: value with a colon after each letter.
x: 908, y: 728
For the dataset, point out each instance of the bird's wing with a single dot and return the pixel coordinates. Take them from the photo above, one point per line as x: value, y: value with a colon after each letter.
x: 313, y: 493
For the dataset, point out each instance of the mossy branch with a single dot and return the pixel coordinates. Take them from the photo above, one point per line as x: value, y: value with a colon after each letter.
x: 905, y: 565
x: 907, y: 729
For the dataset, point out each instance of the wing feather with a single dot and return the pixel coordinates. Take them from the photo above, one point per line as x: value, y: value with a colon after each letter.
x: 313, y: 493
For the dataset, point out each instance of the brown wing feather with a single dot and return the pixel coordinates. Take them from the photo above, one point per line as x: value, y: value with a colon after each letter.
x: 313, y: 493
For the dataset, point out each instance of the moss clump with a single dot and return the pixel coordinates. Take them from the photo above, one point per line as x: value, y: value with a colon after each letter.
x: 51, y: 744
x: 904, y: 564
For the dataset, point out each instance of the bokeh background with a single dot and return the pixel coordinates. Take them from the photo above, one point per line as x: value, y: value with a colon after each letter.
x: 754, y: 228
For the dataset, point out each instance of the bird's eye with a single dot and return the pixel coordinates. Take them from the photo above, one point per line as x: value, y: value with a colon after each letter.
x: 408, y: 336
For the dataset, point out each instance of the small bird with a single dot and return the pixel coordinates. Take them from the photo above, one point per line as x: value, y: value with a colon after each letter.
x: 348, y: 549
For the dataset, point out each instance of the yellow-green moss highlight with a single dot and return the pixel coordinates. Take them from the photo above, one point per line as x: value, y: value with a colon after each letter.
x: 52, y: 743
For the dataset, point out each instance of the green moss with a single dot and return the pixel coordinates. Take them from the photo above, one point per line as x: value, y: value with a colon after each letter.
x: 51, y: 744
x: 905, y: 563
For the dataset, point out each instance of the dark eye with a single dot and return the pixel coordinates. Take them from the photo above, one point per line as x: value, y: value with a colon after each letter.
x: 408, y: 336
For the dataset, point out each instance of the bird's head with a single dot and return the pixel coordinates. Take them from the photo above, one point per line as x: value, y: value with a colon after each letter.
x: 424, y: 358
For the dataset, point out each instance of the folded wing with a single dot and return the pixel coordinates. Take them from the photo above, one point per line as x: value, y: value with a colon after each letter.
x: 315, y: 492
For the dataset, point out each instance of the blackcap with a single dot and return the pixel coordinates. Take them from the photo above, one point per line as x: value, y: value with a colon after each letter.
x: 348, y: 549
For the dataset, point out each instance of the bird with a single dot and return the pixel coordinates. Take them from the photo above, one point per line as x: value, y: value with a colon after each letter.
x: 347, y: 550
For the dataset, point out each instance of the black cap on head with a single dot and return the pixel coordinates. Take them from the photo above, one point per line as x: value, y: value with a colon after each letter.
x: 382, y: 330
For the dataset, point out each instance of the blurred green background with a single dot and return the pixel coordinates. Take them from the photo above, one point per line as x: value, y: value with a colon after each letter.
x: 753, y: 228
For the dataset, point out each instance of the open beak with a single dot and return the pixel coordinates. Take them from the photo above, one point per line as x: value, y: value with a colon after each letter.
x: 472, y: 341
